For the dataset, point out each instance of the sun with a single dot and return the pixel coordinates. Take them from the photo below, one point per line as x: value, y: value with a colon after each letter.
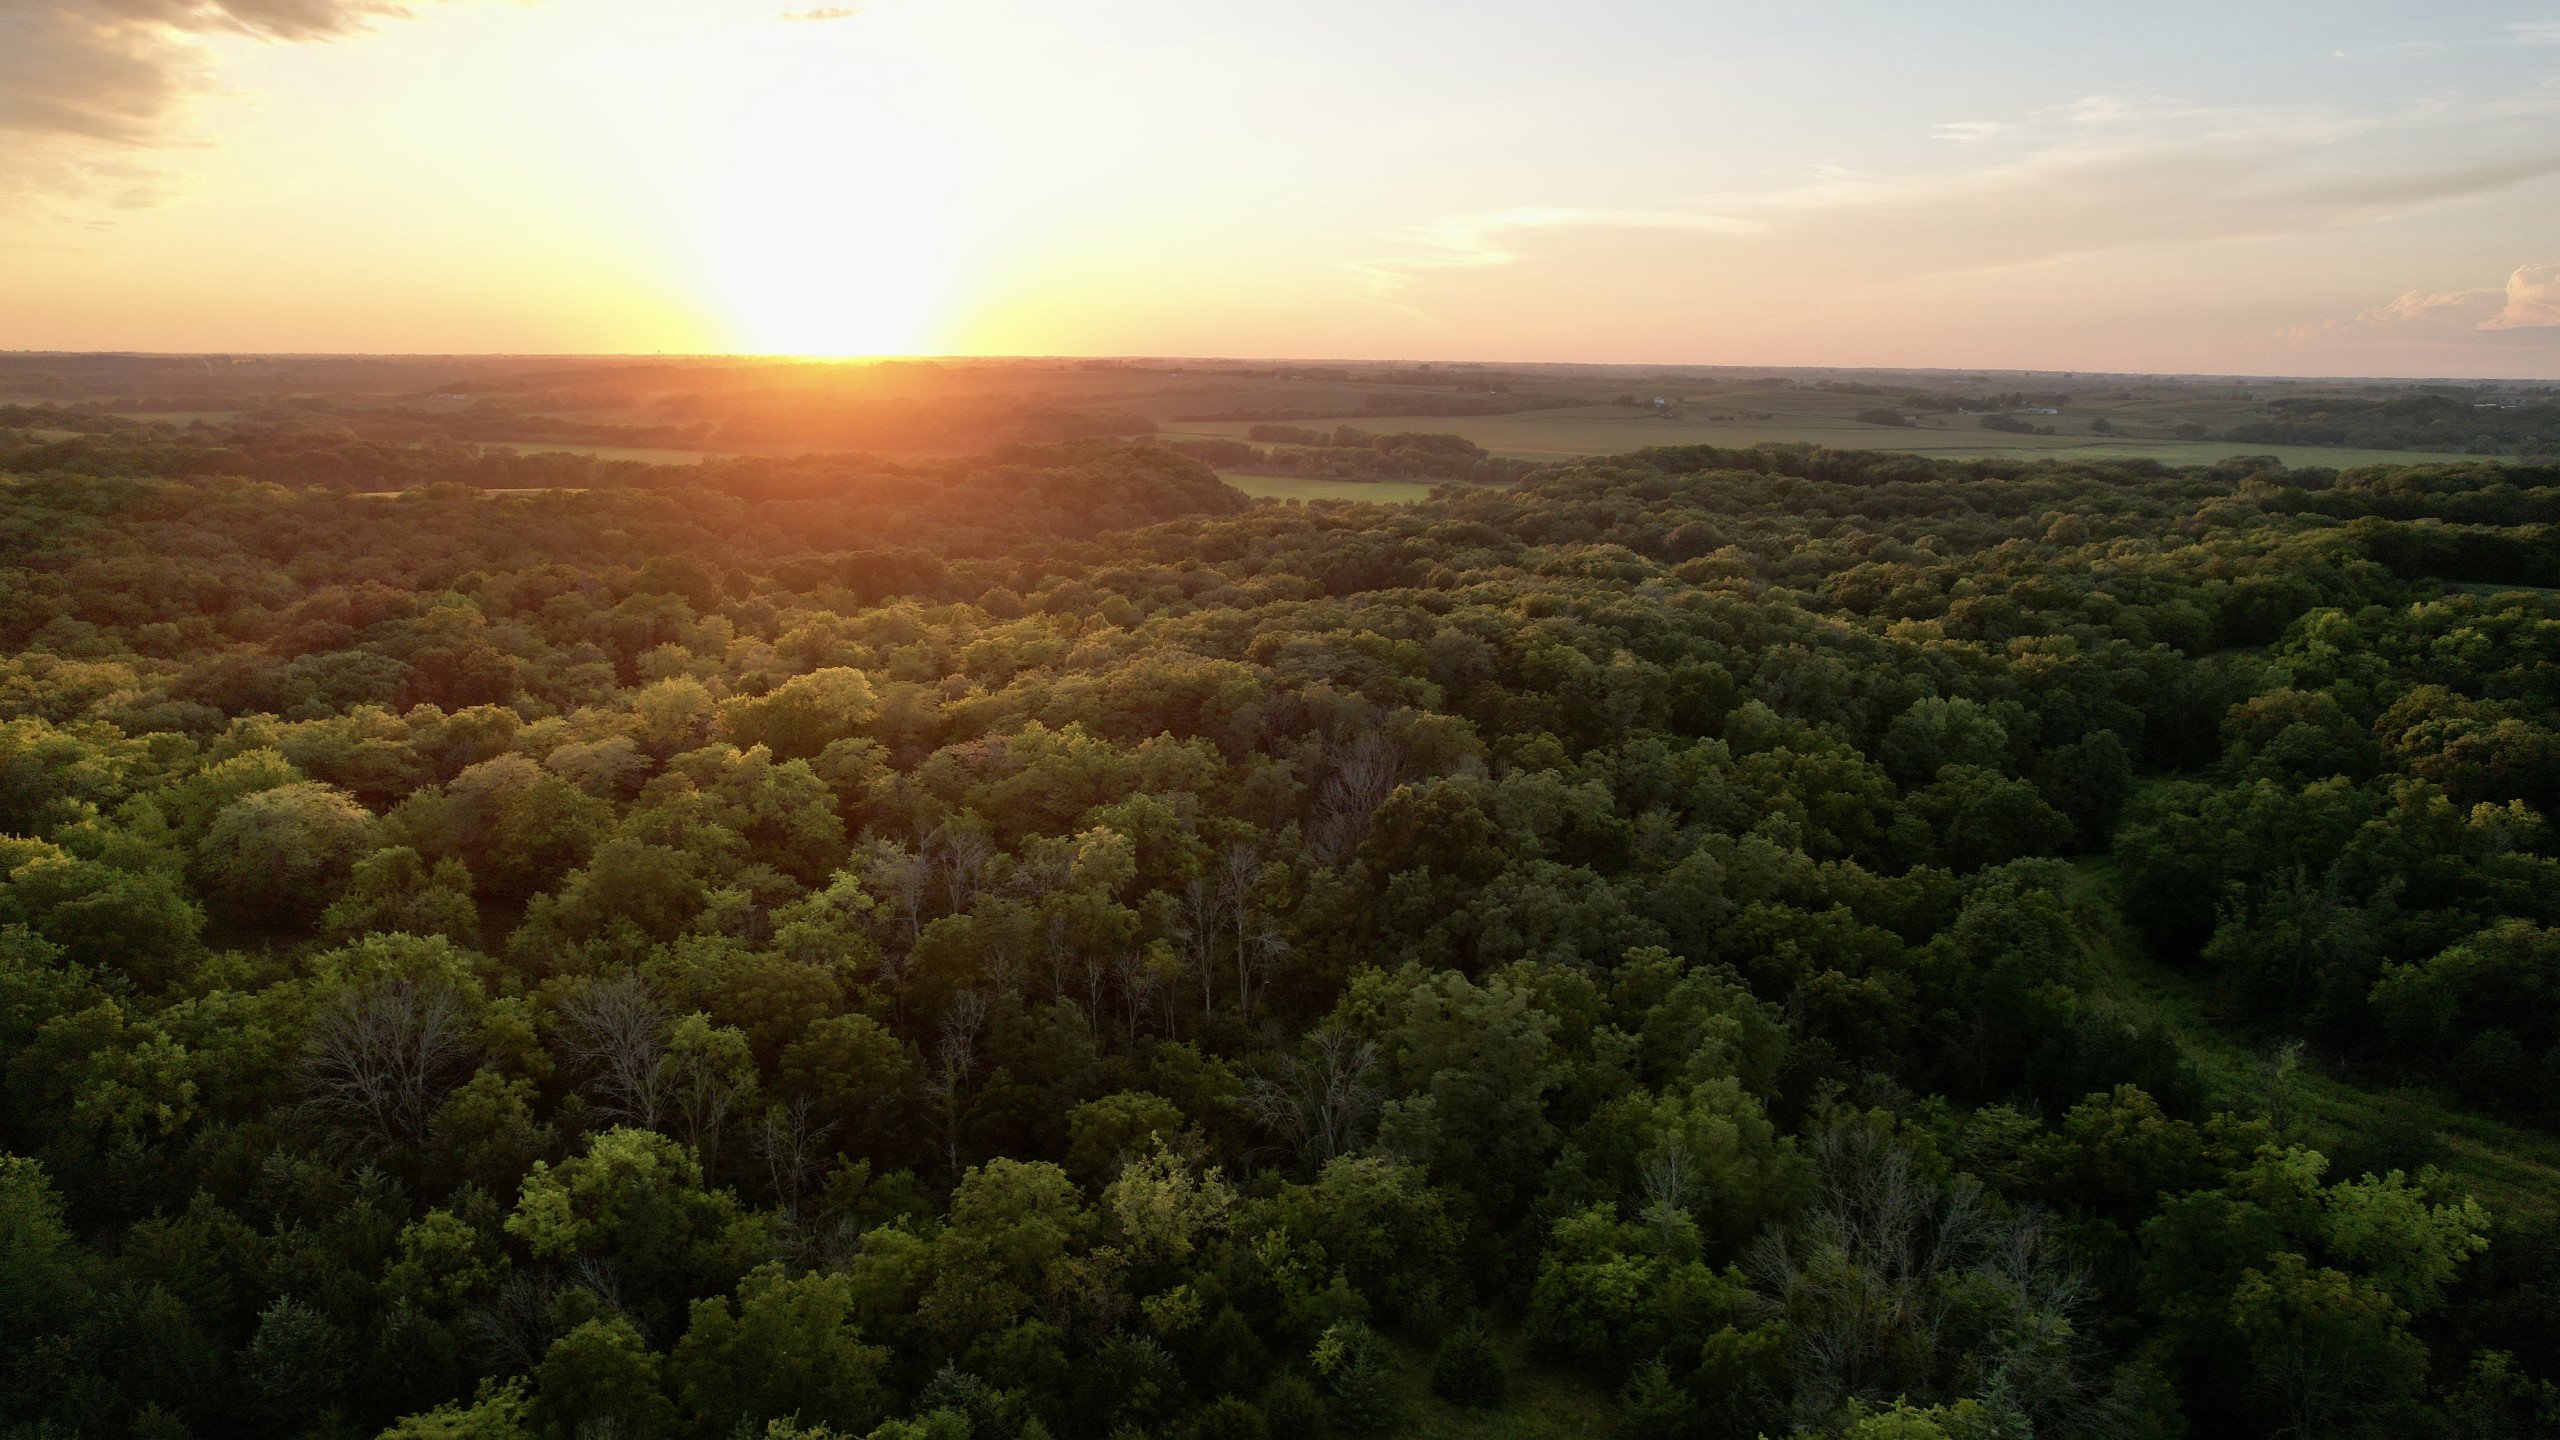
x: 836, y: 283
x: 832, y: 250
x: 828, y: 207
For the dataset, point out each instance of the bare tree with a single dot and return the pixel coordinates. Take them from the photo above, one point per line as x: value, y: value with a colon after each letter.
x: 1196, y: 928
x: 616, y: 1032
x: 1258, y: 953
x: 1669, y: 1174
x: 513, y: 1321
x: 1137, y: 988
x: 1257, y: 943
x: 387, y: 1053
x: 792, y: 1148
x: 1322, y: 1098
x: 899, y: 876
x: 952, y: 1078
x: 1889, y: 1260
x: 705, y: 1085
x: 964, y: 856
x: 1054, y: 950
x: 1359, y: 779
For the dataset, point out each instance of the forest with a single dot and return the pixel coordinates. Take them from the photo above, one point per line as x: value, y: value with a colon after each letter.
x: 1033, y: 946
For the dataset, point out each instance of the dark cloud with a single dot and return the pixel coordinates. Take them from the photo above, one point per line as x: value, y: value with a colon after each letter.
x: 86, y: 87
x: 64, y: 73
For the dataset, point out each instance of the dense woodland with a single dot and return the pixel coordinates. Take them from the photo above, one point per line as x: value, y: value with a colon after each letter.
x: 2427, y: 420
x: 1033, y: 948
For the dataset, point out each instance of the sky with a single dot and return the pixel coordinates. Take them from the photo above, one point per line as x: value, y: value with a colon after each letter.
x: 2312, y: 187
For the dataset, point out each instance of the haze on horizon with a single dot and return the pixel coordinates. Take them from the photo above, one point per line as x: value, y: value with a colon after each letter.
x: 2295, y: 188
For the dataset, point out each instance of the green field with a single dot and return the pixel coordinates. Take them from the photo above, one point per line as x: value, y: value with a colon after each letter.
x: 1825, y: 418
x: 2516, y: 1171
x: 179, y: 417
x: 1302, y: 487
x: 1543, y: 1403
x: 642, y: 454
x: 493, y: 492
x: 2473, y: 587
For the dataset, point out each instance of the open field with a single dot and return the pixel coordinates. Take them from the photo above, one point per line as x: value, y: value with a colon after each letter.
x: 2512, y: 1170
x: 1542, y: 1404
x: 641, y: 454
x: 2484, y: 588
x: 1304, y: 487
x: 1825, y: 419
x: 180, y: 417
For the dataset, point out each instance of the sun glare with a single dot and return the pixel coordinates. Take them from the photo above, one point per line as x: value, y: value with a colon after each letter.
x: 831, y: 256
x: 830, y: 230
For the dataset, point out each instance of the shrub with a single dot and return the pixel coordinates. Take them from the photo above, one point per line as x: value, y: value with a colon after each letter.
x: 1291, y: 1408
x: 1468, y: 1370
x: 1358, y: 1377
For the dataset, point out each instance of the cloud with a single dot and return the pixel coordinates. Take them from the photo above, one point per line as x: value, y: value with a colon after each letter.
x: 2095, y: 110
x: 2536, y: 32
x: 2435, y: 310
x: 2102, y: 174
x: 2533, y: 299
x: 1970, y: 132
x: 2528, y: 302
x: 824, y: 13
x: 87, y: 89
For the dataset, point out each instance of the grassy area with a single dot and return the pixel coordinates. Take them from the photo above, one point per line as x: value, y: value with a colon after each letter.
x: 1826, y: 418
x: 1543, y: 1404
x: 2513, y: 1171
x: 492, y: 491
x: 2482, y: 588
x: 644, y: 454
x: 1301, y: 487
x: 179, y: 417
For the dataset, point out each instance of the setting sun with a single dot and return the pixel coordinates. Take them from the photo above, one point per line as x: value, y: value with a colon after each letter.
x: 827, y: 218
x: 830, y: 247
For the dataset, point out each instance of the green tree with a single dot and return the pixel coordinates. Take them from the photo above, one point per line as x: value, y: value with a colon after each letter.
x: 790, y: 1348
x: 601, y: 1375
x: 802, y: 716
x: 2327, y: 1355
x: 278, y: 857
x: 636, y: 1199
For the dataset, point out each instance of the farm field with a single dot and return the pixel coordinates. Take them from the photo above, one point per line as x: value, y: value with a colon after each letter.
x: 1305, y: 487
x: 639, y: 454
x: 180, y: 417
x: 681, y: 410
x: 1610, y: 430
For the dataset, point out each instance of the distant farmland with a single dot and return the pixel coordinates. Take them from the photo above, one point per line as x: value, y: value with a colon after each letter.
x: 1303, y: 487
x: 1827, y: 419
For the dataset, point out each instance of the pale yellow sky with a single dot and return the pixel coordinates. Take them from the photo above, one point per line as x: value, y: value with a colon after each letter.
x: 2299, y: 188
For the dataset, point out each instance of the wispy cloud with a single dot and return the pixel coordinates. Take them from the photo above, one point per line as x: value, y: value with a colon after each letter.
x: 2536, y: 32
x: 1970, y: 132
x: 823, y: 13
x: 2110, y: 173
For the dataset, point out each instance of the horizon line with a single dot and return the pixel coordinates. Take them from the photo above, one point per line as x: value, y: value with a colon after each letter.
x: 2056, y: 372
